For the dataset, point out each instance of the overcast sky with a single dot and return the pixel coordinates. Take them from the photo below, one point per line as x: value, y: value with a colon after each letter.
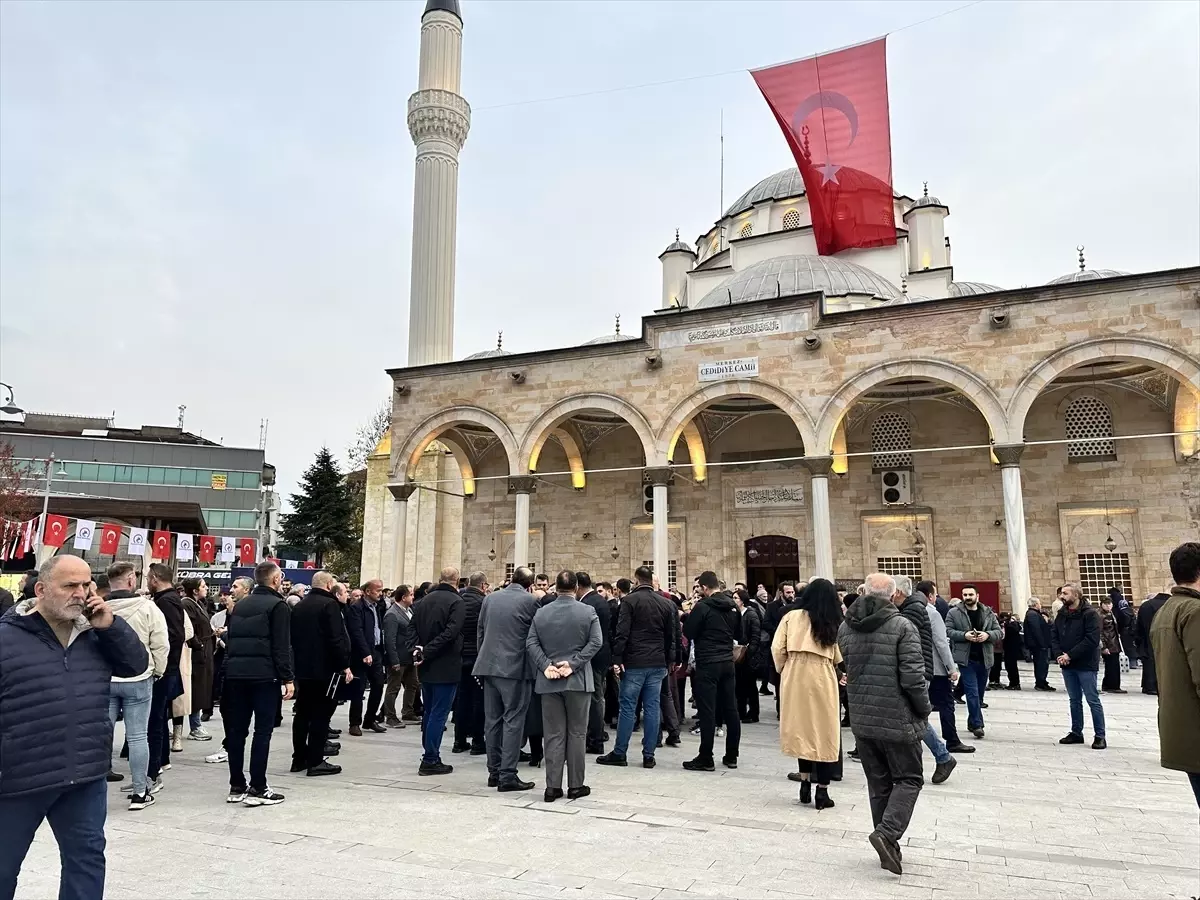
x: 211, y: 203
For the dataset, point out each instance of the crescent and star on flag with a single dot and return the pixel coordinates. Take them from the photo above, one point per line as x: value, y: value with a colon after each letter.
x: 827, y: 100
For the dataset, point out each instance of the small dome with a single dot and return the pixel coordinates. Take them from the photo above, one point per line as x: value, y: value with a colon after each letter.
x: 784, y: 276
x: 926, y: 200
x: 498, y: 350
x: 677, y: 246
x: 609, y: 338
x: 971, y: 288
x: 1086, y: 275
x: 783, y: 185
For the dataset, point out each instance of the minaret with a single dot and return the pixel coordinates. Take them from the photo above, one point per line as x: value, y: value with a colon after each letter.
x: 438, y: 120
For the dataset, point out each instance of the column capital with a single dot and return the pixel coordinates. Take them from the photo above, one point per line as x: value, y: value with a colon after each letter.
x: 658, y: 475
x: 1008, y: 454
x: 818, y: 466
x: 402, y: 492
x: 522, y: 484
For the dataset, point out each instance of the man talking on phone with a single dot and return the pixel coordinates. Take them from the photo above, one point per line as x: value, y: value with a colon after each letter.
x: 58, y: 653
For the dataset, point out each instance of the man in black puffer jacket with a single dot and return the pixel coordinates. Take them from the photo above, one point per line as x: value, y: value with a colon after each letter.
x: 58, y: 655
x: 714, y: 627
x: 438, y: 620
x: 913, y: 606
x: 1075, y: 644
x: 889, y: 709
x: 468, y: 699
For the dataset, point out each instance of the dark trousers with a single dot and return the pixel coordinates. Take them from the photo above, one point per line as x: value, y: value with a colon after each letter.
x: 715, y: 689
x: 218, y: 680
x: 595, y: 731
x: 1041, y: 665
x: 820, y: 772
x: 243, y: 700
x: 1194, y: 779
x: 1014, y: 674
x: 1112, y: 672
x: 1149, y: 675
x: 367, y: 676
x: 468, y: 708
x: 994, y: 674
x: 437, y: 699
x: 747, y: 692
x: 165, y: 690
x: 669, y: 719
x: 941, y: 697
x: 310, y: 723
x: 894, y: 781
x: 76, y: 815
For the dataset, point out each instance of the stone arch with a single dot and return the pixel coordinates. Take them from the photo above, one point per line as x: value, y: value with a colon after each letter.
x: 404, y: 462
x: 1184, y: 368
x: 541, y: 429
x: 697, y: 452
x: 962, y: 380
x: 465, y: 468
x: 687, y: 409
x: 574, y: 457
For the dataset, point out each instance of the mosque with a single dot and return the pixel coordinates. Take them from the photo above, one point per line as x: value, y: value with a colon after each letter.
x: 783, y: 414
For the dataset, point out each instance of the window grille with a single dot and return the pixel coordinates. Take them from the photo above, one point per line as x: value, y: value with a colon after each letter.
x: 746, y: 230
x: 791, y: 219
x: 900, y: 565
x: 672, y: 572
x: 891, y: 441
x: 1089, y: 428
x: 1100, y: 571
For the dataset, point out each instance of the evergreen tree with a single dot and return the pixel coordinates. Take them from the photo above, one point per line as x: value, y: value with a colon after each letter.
x: 322, y: 513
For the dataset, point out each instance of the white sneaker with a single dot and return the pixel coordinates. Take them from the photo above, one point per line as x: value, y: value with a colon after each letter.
x: 219, y: 757
x: 164, y: 767
x: 157, y: 786
x: 235, y: 797
x: 199, y: 735
x: 721, y: 731
x: 262, y: 798
x: 140, y: 801
x: 695, y: 730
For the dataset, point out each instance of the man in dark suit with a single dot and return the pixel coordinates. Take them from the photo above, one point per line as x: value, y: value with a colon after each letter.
x: 399, y: 639
x: 321, y: 650
x: 361, y: 632
x: 504, y: 621
x: 600, y: 662
x: 1145, y: 618
x: 438, y: 621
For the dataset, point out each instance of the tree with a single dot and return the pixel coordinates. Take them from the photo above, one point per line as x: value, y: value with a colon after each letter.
x: 16, y: 504
x: 346, y: 563
x: 368, y: 436
x: 322, y: 513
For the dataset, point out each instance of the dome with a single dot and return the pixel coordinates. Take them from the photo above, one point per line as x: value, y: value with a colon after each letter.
x: 971, y: 288
x: 926, y: 200
x: 786, y: 275
x: 780, y: 186
x: 498, y: 350
x: 1086, y: 275
x: 676, y: 246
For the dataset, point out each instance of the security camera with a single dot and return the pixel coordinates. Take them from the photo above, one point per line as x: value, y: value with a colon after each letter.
x: 997, y: 523
x: 403, y: 390
x: 999, y: 318
x: 517, y: 377
x: 654, y: 361
x: 812, y: 341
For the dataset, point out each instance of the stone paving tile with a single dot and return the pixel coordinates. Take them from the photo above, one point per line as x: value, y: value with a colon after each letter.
x: 1022, y: 817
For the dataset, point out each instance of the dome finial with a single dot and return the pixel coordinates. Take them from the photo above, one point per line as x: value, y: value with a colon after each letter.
x: 926, y: 184
x: 618, y: 323
x: 904, y: 285
x: 1082, y: 264
x: 499, y: 340
x: 676, y: 234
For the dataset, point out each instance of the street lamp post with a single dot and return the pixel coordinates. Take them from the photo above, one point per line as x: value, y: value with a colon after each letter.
x: 10, y: 408
x: 45, y: 500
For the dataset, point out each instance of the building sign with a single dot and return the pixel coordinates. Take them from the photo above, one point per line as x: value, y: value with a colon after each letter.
x: 729, y: 368
x: 711, y: 333
x: 219, y: 480
x: 768, y: 497
x: 206, y: 574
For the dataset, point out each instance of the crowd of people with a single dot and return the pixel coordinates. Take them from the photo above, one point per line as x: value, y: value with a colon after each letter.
x: 536, y: 672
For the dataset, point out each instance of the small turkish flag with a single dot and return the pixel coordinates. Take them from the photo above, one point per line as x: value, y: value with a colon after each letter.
x: 56, y: 531
x: 208, y: 548
x: 246, y: 551
x: 110, y: 539
x: 309, y: 564
x: 160, y: 548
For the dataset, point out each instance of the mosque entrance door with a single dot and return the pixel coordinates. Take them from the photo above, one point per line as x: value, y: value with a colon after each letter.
x: 771, y: 559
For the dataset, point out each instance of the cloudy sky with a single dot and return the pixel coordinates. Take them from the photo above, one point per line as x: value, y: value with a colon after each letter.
x: 211, y: 203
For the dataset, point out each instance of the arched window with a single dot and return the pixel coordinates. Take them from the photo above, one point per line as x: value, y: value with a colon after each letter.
x: 791, y: 219
x: 746, y: 230
x: 891, y: 441
x: 1089, y: 428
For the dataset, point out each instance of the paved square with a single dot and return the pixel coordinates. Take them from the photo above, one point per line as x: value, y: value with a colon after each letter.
x: 1021, y: 817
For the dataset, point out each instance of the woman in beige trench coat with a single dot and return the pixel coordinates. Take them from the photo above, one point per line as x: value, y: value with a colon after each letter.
x: 805, y: 652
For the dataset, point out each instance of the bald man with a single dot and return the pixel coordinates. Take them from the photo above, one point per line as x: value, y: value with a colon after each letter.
x: 321, y: 649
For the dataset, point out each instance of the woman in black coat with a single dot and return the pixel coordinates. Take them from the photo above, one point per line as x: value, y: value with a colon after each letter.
x: 1014, y: 651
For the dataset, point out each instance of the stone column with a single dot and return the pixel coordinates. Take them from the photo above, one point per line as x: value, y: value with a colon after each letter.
x: 438, y: 120
x: 521, y: 486
x: 820, y: 467
x: 659, y: 477
x: 400, y: 493
x: 1014, y: 525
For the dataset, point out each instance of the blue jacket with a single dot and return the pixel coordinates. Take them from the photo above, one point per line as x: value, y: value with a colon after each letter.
x: 54, y: 727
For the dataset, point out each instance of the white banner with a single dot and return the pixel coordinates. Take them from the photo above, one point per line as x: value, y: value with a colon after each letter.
x: 729, y: 368
x: 183, y: 547
x: 84, y: 530
x: 137, y: 541
x: 291, y: 564
x: 768, y: 496
x: 228, y: 549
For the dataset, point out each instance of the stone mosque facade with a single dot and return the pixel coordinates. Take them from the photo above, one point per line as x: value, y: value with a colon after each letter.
x: 782, y: 414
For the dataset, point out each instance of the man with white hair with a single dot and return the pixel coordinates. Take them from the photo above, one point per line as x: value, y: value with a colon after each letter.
x: 889, y: 708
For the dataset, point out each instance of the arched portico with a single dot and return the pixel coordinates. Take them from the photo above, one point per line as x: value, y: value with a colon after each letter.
x: 544, y: 426
x: 405, y: 461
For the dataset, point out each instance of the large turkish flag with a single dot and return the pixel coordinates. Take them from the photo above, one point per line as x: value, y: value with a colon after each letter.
x: 833, y: 110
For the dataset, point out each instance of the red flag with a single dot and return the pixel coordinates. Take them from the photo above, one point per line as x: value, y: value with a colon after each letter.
x: 246, y: 552
x: 160, y: 547
x: 110, y: 538
x: 31, y: 534
x: 309, y: 564
x: 56, y: 531
x: 833, y: 110
x: 208, y: 548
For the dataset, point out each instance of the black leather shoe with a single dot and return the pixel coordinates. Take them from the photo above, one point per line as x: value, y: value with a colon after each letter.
x: 553, y: 794
x: 478, y: 749
x: 700, y: 765
x: 436, y: 768
x: 575, y: 793
x: 1099, y: 744
x: 673, y: 740
x: 960, y: 748
x: 805, y: 791
x: 460, y: 748
x: 376, y: 727
x: 983, y: 705
x: 611, y: 759
x: 729, y: 762
x: 594, y: 748
x: 298, y: 767
x: 113, y: 777
x: 648, y: 762
x: 333, y: 734
x: 515, y: 784
x: 493, y: 781
x: 324, y: 768
x: 522, y: 756
x: 332, y: 748
x: 1071, y: 738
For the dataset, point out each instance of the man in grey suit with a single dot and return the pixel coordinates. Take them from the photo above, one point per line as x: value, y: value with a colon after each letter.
x: 564, y: 637
x: 502, y: 663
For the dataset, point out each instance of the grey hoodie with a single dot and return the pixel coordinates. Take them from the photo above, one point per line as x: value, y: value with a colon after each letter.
x: 147, y: 620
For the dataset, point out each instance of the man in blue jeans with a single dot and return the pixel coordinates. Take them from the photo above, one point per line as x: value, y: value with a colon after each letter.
x: 1075, y: 644
x: 643, y: 648
x: 438, y: 621
x: 973, y: 629
x: 58, y: 654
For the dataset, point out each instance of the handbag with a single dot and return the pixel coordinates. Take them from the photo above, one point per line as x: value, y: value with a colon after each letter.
x: 739, y: 654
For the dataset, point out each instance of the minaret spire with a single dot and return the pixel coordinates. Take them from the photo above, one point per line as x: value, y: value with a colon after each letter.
x: 438, y: 120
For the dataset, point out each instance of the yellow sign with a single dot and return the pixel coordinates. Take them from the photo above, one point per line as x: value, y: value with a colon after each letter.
x: 219, y: 480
